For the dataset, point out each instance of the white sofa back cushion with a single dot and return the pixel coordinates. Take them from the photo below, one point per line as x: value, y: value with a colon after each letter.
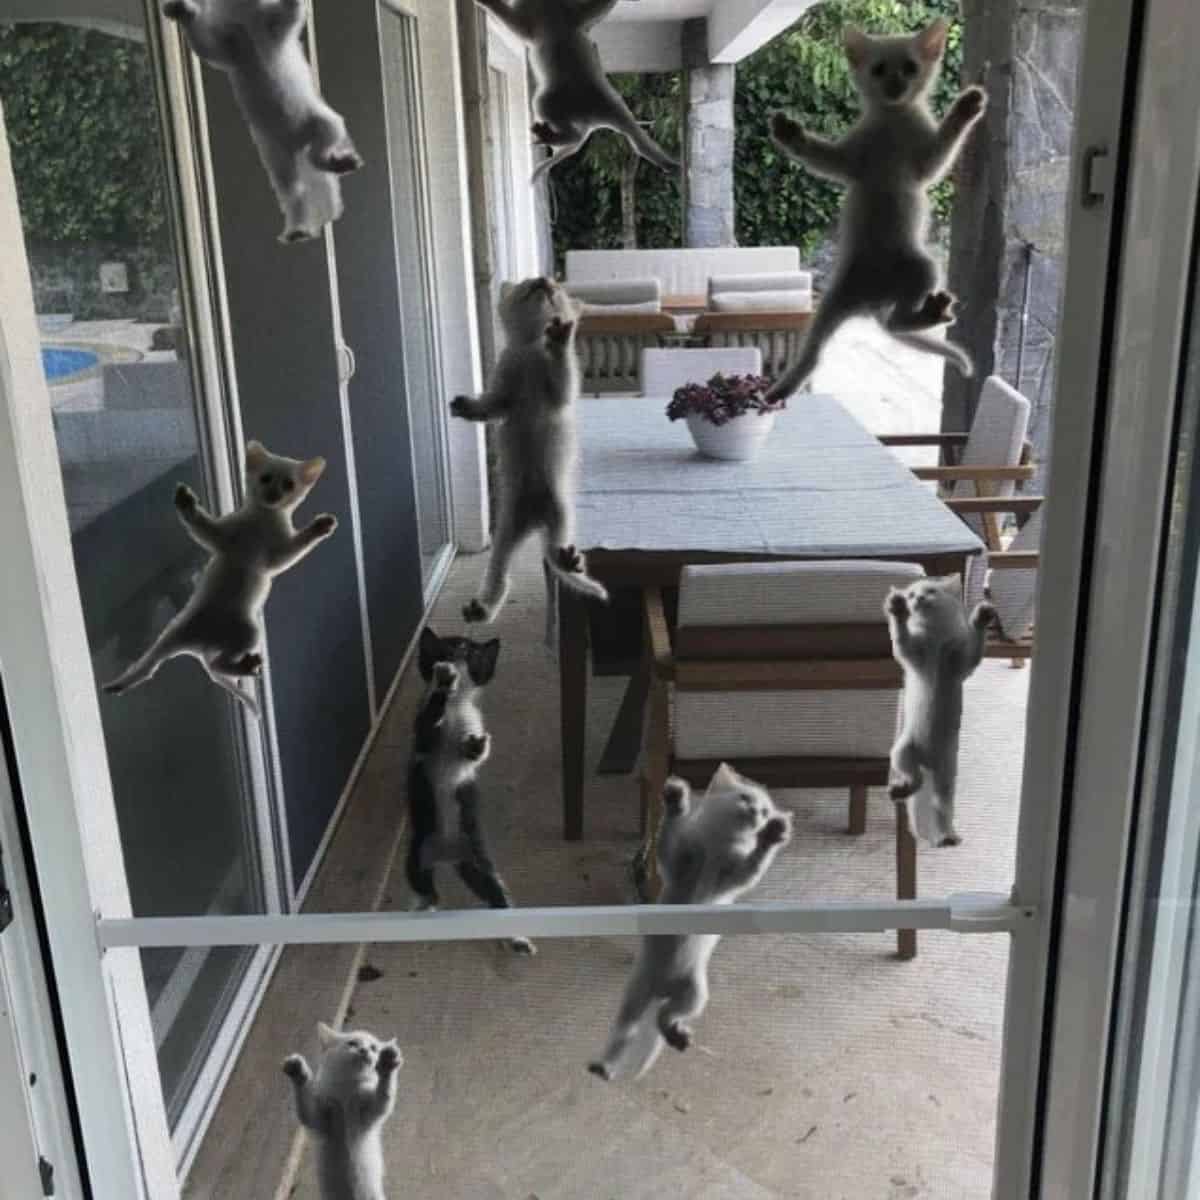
x: 681, y: 272
x: 624, y: 292
x: 735, y: 302
x: 621, y: 310
x: 764, y: 281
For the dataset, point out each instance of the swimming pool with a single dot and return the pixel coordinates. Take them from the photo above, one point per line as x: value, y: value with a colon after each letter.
x: 58, y: 362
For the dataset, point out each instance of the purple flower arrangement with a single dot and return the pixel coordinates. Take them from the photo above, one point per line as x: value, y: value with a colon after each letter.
x: 723, y: 398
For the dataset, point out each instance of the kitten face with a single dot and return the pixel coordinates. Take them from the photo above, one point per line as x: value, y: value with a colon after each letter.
x: 273, y: 481
x: 346, y: 1056
x: 737, y: 803
x: 526, y: 308
x: 937, y: 602
x: 479, y: 658
x: 890, y: 72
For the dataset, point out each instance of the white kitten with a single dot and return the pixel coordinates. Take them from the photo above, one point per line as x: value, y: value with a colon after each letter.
x: 574, y: 97
x: 708, y: 853
x: 302, y: 142
x: 938, y: 647
x: 344, y: 1109
x: 221, y: 625
x: 532, y: 393
x: 889, y: 160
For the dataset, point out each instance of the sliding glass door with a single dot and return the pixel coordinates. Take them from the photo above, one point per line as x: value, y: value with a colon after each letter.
x: 119, y: 356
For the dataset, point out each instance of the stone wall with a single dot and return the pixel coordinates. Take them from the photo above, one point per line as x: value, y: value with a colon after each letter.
x: 708, y: 207
x: 1012, y: 192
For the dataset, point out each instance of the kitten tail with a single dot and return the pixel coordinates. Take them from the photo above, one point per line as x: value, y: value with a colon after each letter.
x: 579, y: 582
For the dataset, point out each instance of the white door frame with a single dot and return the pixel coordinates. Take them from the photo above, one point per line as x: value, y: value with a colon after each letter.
x: 39, y: 588
x: 1162, y: 148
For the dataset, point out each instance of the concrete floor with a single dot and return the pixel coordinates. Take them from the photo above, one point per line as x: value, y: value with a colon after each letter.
x: 825, y: 1068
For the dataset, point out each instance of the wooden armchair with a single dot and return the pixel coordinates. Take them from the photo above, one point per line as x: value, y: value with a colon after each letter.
x: 979, y: 479
x: 778, y: 336
x: 785, y: 671
x: 610, y: 349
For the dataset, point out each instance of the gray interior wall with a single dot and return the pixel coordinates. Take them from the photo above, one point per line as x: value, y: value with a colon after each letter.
x: 369, y: 300
x: 281, y: 322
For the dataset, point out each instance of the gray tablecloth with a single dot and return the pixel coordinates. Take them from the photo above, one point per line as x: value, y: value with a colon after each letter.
x: 821, y: 487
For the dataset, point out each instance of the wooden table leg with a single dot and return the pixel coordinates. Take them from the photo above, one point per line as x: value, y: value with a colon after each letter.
x: 858, y: 809
x: 573, y: 685
x: 906, y: 879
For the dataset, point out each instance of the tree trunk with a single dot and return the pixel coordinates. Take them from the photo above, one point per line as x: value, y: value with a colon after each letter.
x: 629, y: 202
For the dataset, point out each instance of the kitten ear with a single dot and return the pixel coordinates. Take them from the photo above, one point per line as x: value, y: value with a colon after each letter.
x: 327, y: 1035
x: 857, y: 45
x: 724, y: 779
x: 506, y: 290
x: 950, y: 583
x: 931, y: 41
x: 429, y: 650
x: 256, y: 456
x: 483, y: 661
x: 311, y: 470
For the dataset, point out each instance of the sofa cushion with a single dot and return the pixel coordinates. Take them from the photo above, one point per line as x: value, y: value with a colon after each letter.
x: 761, y: 302
x: 680, y: 272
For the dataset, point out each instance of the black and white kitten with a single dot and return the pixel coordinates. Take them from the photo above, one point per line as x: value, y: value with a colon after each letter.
x: 574, y: 97
x: 532, y: 394
x: 302, y: 142
x: 709, y: 852
x: 938, y: 647
x: 221, y: 625
x: 450, y: 744
x: 344, y: 1107
x: 889, y: 160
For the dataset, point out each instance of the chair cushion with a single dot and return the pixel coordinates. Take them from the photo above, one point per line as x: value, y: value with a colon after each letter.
x: 834, y: 724
x: 997, y: 434
x: 761, y: 302
x: 788, y: 593
x: 619, y: 291
x: 665, y: 370
x: 1014, y: 591
x: 681, y: 272
x: 621, y: 310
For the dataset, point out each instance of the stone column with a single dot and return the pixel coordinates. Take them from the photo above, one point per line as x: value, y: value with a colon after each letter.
x: 1012, y: 192
x: 708, y: 142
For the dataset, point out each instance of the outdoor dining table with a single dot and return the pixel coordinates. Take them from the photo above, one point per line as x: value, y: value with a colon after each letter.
x: 648, y: 504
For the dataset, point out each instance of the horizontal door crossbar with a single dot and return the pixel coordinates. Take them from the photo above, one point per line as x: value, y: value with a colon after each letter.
x: 962, y: 913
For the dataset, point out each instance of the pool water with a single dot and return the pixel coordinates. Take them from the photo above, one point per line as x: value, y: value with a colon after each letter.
x: 58, y: 363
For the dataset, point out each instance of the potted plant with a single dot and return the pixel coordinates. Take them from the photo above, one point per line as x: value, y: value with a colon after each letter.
x: 729, y: 416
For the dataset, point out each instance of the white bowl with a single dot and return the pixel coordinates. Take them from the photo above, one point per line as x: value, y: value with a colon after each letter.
x: 739, y: 439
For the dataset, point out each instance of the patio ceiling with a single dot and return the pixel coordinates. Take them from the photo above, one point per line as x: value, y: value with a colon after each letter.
x: 645, y: 35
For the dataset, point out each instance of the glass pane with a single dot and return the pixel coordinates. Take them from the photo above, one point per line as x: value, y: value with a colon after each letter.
x: 84, y: 136
x: 414, y: 261
x: 1160, y: 1148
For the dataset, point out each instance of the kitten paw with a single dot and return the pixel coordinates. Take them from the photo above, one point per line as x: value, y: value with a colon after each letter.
x: 294, y: 1067
x: 543, y: 132
x: 185, y: 499
x: 678, y: 1036
x: 292, y: 235
x: 570, y: 560
x: 460, y: 406
x: 445, y: 676
x: 984, y: 616
x: 675, y: 795
x: 250, y: 664
x: 896, y: 604
x: 938, y: 308
x: 971, y: 103
x: 389, y: 1059
x: 902, y: 789
x: 776, y: 392
x: 601, y: 1071
x: 179, y: 10
x: 474, y: 612
x: 786, y: 132
x: 324, y: 525
x: 558, y: 332
x: 422, y: 904
x: 522, y: 946
x: 476, y: 746
x: 777, y: 831
x: 950, y: 838
x: 341, y: 161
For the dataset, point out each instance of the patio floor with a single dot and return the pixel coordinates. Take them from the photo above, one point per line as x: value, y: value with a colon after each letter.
x: 825, y: 1068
